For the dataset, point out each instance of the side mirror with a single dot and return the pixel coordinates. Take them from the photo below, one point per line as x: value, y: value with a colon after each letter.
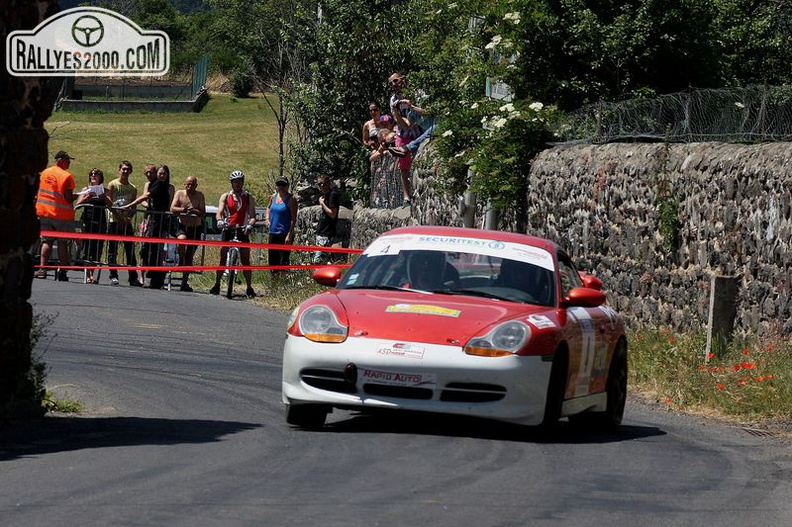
x: 584, y: 297
x: 592, y: 282
x: 329, y: 276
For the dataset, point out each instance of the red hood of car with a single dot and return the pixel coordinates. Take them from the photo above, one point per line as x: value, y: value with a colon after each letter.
x: 430, y: 318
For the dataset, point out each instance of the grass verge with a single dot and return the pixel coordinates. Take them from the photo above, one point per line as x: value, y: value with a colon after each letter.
x: 750, y: 380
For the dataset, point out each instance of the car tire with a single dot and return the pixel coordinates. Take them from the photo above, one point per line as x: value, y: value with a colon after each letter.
x: 306, y: 415
x: 556, y: 388
x: 616, y: 389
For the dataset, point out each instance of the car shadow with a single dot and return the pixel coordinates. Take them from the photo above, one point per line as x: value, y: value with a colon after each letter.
x: 61, y: 434
x: 406, y: 422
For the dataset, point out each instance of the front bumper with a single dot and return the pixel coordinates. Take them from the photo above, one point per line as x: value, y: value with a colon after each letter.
x: 371, y: 373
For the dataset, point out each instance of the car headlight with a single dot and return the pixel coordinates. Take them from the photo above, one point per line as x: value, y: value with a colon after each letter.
x: 320, y: 324
x: 503, y: 340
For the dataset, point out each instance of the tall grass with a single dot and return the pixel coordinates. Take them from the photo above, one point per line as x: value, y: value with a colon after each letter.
x: 750, y: 380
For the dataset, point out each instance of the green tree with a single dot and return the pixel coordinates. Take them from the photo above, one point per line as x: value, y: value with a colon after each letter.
x: 756, y: 38
x: 350, y: 49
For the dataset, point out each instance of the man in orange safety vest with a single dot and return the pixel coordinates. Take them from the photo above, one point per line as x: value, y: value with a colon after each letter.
x: 55, y: 210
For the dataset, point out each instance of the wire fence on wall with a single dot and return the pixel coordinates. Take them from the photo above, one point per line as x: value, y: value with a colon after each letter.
x: 739, y: 115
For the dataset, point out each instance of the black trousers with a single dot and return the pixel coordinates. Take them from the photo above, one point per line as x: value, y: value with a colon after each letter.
x: 122, y: 229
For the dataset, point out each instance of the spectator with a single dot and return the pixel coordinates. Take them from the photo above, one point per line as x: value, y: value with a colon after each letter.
x: 151, y: 174
x: 94, y: 201
x: 417, y: 127
x: 280, y: 216
x: 122, y: 192
x: 371, y: 127
x: 328, y: 217
x: 158, y: 200
x: 237, y: 209
x: 385, y: 137
x: 190, y: 205
x: 397, y: 85
x: 54, y: 209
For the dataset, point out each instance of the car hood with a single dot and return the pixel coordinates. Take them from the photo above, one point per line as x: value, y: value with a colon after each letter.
x: 430, y: 318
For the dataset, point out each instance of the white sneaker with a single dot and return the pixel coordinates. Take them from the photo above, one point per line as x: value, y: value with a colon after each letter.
x: 114, y: 281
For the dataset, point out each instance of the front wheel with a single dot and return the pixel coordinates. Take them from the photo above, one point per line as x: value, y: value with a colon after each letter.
x: 231, y: 261
x: 556, y: 388
x: 307, y: 415
x: 231, y: 278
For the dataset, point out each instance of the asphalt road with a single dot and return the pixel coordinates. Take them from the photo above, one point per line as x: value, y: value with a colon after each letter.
x: 184, y: 426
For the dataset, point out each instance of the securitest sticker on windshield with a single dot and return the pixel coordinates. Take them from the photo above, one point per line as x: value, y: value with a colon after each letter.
x: 423, y: 309
x: 390, y: 245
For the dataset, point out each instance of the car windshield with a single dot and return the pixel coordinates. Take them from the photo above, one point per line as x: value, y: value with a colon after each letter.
x: 497, y: 270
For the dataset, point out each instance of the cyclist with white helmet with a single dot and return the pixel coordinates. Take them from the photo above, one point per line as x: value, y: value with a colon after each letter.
x: 237, y: 208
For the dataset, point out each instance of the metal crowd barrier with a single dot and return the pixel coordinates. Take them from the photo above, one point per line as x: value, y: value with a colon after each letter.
x: 93, y: 219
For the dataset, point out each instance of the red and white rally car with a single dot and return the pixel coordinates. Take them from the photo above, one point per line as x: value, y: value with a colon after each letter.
x: 459, y: 321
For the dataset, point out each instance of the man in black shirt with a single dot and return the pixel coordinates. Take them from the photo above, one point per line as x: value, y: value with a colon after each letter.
x: 326, y: 226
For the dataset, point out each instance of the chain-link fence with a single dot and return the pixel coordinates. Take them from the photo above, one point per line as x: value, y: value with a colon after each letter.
x: 738, y: 115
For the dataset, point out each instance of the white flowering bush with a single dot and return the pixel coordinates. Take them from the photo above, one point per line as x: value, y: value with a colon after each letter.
x: 496, y: 138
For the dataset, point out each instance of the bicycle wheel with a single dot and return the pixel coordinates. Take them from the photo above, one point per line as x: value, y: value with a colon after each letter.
x: 233, y: 260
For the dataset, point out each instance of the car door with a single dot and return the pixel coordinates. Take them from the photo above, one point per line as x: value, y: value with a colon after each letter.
x: 589, y: 329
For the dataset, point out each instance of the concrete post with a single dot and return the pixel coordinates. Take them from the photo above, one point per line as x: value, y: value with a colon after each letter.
x: 724, y: 292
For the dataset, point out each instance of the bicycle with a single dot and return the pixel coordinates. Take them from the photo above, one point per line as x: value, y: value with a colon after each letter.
x: 233, y: 259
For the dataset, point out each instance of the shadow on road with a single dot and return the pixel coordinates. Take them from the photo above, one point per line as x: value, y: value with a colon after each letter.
x: 61, y: 434
x: 403, y: 422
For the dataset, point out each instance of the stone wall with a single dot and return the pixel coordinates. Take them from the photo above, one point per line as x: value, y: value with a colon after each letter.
x: 734, y: 219
x: 600, y: 203
x: 25, y: 103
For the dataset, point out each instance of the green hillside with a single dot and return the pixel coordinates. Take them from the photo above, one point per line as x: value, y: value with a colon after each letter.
x: 227, y: 134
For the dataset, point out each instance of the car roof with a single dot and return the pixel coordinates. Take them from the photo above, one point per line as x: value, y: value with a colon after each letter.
x: 484, y: 234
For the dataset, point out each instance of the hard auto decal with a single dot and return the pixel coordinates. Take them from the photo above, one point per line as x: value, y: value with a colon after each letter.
x: 400, y: 349
x: 390, y: 378
x: 423, y: 309
x: 541, y: 321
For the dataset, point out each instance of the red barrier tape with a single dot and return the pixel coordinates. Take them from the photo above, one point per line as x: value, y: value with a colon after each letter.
x: 217, y: 243
x: 178, y: 268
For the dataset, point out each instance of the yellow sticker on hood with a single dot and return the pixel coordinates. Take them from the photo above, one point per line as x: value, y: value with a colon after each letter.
x: 423, y: 309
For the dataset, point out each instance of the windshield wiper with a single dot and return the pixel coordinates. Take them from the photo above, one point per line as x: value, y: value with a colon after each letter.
x: 387, y: 288
x: 474, y: 292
